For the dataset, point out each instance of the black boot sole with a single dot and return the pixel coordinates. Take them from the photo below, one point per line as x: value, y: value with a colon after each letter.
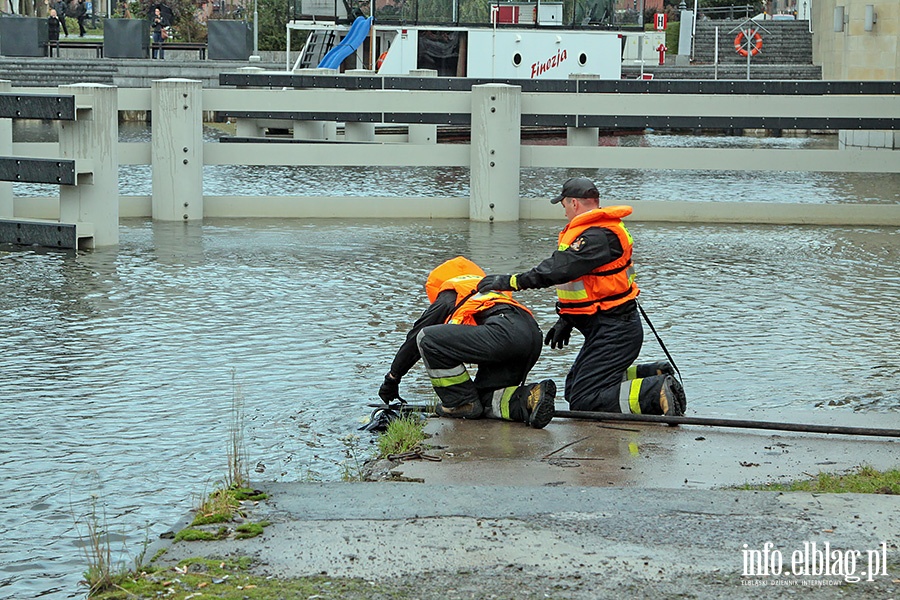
x: 543, y: 412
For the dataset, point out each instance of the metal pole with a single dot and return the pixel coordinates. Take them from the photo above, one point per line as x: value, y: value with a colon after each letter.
x: 707, y: 421
x: 749, y: 53
x: 255, y: 28
x: 716, y: 59
x: 801, y: 427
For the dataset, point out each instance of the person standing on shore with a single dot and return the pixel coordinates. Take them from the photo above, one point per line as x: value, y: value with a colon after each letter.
x: 491, y: 330
x: 80, y: 16
x: 597, y: 295
x: 53, y: 24
x: 160, y: 34
x: 62, y: 7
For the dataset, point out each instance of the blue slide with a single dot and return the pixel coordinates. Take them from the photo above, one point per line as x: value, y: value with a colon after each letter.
x: 359, y: 31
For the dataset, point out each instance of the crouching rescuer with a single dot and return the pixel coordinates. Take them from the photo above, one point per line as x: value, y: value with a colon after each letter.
x: 489, y: 329
x: 597, y: 295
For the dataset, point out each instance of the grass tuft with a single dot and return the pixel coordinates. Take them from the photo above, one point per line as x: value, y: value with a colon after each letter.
x: 403, y: 435
x: 862, y: 480
x: 238, y: 473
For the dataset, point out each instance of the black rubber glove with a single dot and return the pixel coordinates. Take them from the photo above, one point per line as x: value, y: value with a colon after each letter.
x: 390, y: 389
x: 499, y: 283
x: 558, y: 336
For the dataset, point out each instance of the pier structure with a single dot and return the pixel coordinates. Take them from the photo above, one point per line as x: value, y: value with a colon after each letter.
x: 495, y: 112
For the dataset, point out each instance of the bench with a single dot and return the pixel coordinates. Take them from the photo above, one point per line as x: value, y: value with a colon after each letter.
x: 97, y: 46
x: 200, y: 47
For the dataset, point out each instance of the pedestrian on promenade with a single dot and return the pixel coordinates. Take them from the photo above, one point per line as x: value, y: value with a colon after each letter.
x: 53, y: 24
x: 62, y: 7
x: 596, y: 289
x: 160, y: 34
x: 81, y: 15
x: 488, y: 329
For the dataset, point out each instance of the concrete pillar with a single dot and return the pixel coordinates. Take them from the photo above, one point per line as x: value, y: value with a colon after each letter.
x: 359, y: 132
x: 248, y: 128
x: 93, y: 137
x: 315, y: 130
x: 423, y: 133
x: 309, y: 130
x: 582, y: 136
x: 6, y: 195
x: 496, y: 152
x: 176, y: 149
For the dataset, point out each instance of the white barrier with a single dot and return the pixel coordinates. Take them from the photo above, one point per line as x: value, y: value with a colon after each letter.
x: 496, y: 131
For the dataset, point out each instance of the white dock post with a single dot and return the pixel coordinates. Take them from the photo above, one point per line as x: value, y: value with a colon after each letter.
x: 355, y: 131
x: 314, y: 130
x: 6, y: 195
x: 248, y: 127
x: 495, y: 152
x: 176, y: 149
x: 93, y: 138
x: 423, y: 133
x: 582, y: 136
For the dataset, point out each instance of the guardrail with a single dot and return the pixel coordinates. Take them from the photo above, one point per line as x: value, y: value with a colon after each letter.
x: 495, y: 112
x: 85, y: 168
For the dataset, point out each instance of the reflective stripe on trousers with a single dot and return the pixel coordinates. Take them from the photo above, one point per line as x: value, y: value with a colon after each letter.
x: 629, y: 396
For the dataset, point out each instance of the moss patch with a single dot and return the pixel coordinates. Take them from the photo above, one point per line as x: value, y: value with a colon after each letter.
x: 229, y: 578
x: 198, y: 535
x: 250, y: 530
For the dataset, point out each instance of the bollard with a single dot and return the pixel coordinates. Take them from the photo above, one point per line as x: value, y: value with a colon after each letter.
x: 6, y: 195
x: 495, y: 152
x: 582, y: 136
x: 423, y: 133
x: 93, y: 137
x: 176, y: 149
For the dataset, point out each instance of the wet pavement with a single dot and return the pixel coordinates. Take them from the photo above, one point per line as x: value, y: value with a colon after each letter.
x: 587, y: 453
x: 588, y: 510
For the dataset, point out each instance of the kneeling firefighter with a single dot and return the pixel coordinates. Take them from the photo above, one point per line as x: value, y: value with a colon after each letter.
x: 488, y: 329
x: 597, y: 295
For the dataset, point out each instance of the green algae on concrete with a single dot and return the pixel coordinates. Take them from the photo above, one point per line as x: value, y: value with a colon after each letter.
x: 229, y: 578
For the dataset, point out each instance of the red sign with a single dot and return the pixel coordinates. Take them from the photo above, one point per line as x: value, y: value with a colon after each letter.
x: 661, y: 21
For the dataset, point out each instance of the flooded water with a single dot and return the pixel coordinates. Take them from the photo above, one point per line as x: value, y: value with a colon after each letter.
x: 119, y: 365
x: 615, y: 185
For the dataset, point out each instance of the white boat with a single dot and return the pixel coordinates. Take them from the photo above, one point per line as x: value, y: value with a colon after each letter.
x: 519, y: 41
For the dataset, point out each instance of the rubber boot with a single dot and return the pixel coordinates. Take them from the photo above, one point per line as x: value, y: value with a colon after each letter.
x: 661, y: 367
x: 470, y: 410
x: 532, y: 404
x: 656, y: 395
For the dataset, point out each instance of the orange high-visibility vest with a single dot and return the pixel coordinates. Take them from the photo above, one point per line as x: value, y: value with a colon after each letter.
x: 608, y: 285
x: 462, y: 275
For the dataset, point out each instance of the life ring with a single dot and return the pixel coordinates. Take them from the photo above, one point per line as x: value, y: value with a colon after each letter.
x: 380, y: 60
x: 756, y: 42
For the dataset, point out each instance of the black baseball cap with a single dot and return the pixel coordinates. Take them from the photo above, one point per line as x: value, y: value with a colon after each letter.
x: 577, y: 187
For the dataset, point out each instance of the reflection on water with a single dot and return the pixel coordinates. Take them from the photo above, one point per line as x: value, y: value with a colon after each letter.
x: 616, y: 185
x: 118, y: 363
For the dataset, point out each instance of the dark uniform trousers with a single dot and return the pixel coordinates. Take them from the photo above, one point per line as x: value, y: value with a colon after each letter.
x: 505, y: 345
x: 600, y: 378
